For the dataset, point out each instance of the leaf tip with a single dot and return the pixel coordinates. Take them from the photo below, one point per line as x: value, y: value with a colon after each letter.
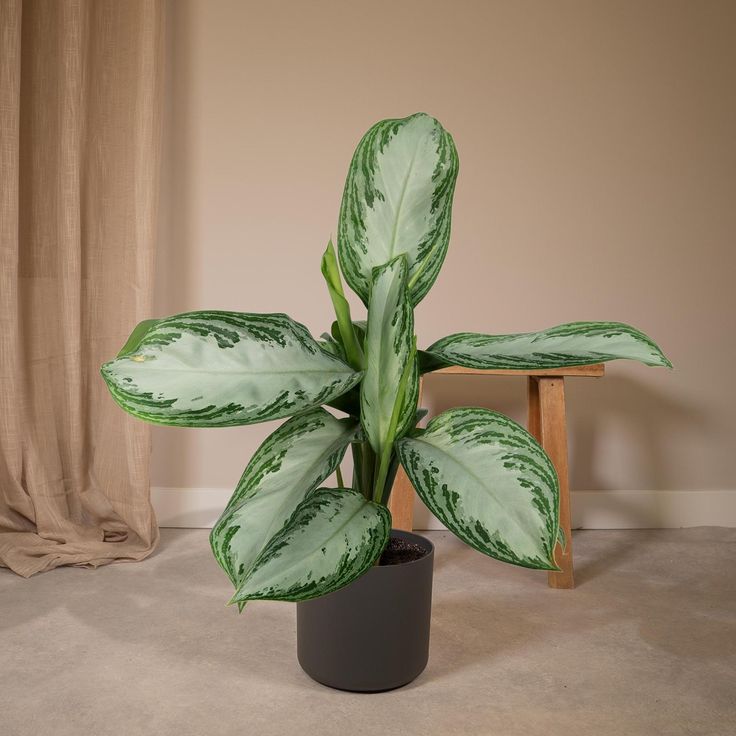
x: 107, y: 371
x: 233, y: 601
x: 660, y: 360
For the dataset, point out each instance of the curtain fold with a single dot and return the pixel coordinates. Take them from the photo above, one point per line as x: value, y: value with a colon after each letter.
x: 80, y: 109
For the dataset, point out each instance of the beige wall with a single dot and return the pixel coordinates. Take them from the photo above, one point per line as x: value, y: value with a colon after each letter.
x: 597, y: 143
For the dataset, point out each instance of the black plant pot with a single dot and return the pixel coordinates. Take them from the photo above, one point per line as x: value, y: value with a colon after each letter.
x: 372, y: 635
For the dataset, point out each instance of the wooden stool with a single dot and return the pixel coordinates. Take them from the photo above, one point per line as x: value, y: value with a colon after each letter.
x: 546, y: 421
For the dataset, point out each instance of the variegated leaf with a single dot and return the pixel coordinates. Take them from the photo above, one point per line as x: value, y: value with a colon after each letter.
x: 292, y: 461
x: 398, y: 199
x: 332, y: 538
x: 576, y: 343
x: 219, y: 369
x: 388, y: 348
x: 489, y: 482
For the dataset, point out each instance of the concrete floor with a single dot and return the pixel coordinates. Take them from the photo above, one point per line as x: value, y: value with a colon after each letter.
x: 645, y: 645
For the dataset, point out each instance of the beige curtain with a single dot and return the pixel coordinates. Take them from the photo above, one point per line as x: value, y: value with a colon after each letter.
x: 79, y: 119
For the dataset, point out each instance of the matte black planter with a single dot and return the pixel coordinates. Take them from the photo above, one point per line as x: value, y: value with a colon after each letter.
x: 372, y: 635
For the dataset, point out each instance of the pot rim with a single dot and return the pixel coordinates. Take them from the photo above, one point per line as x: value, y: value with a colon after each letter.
x: 427, y: 542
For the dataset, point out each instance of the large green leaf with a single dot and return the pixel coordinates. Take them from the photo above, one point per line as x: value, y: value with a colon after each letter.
x: 489, y: 482
x: 388, y: 351
x: 398, y: 199
x: 333, y: 537
x: 219, y: 369
x: 576, y: 343
x: 292, y: 461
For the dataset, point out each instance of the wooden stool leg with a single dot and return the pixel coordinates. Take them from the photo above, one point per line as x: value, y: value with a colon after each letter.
x: 532, y: 394
x: 552, y: 431
x: 401, y: 500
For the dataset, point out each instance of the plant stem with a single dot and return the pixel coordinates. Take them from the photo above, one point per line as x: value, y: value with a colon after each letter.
x: 331, y: 272
x: 363, y: 460
x: 340, y: 481
x: 393, y: 467
x: 368, y: 469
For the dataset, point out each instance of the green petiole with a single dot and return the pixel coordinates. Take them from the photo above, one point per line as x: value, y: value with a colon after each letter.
x: 331, y: 272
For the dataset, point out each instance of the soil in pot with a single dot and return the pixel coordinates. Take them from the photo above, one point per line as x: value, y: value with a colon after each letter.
x: 400, y: 550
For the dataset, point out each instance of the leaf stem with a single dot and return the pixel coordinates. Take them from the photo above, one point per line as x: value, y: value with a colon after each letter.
x: 363, y: 462
x: 368, y: 473
x: 331, y: 273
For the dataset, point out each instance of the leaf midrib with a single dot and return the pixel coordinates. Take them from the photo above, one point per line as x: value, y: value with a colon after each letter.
x: 404, y: 187
x: 218, y: 371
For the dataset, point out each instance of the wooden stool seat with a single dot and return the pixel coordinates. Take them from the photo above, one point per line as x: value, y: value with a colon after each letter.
x: 546, y: 421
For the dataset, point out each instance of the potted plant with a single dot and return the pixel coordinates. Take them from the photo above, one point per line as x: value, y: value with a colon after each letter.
x: 286, y: 535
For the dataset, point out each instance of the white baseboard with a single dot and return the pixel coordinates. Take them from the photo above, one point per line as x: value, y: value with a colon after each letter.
x: 199, y: 508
